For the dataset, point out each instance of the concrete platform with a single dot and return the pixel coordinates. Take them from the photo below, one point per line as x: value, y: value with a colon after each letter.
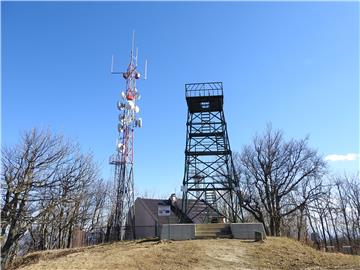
x: 212, y: 230
x: 177, y: 231
x: 247, y: 230
x: 244, y: 231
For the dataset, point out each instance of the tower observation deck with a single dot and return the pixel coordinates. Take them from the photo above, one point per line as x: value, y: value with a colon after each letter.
x: 210, y: 182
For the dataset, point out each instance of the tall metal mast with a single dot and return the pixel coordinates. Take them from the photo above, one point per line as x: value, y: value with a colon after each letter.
x: 121, y: 225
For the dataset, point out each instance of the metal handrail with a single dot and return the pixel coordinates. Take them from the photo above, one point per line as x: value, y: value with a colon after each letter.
x: 203, y: 89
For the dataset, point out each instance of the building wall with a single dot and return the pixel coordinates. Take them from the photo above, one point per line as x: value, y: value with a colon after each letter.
x: 247, y: 230
x: 145, y: 224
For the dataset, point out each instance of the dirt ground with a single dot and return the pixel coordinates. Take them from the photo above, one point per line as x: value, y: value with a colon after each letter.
x: 273, y: 253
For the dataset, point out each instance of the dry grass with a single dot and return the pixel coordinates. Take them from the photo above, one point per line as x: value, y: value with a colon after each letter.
x: 274, y: 253
x: 285, y: 253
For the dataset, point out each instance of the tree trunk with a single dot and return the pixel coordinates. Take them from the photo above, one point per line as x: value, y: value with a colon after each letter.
x: 300, y: 224
x: 272, y: 226
x: 314, y: 232
x: 277, y: 225
x: 69, y: 237
x: 328, y: 231
x: 323, y: 229
x: 335, y: 230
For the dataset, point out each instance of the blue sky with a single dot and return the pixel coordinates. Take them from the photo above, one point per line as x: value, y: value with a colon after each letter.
x: 293, y: 64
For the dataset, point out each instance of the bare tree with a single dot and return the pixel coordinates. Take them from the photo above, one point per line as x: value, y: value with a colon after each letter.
x: 99, y: 193
x: 29, y: 172
x: 347, y: 189
x: 45, y: 182
x: 335, y: 216
x: 278, y: 177
x: 353, y: 191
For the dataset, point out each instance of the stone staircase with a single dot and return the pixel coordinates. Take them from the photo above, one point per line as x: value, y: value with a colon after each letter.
x: 212, y: 230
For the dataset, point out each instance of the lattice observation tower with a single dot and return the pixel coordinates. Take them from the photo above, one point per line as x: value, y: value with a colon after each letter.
x: 210, y: 181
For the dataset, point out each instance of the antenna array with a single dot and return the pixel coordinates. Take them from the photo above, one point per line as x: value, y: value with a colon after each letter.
x: 121, y: 222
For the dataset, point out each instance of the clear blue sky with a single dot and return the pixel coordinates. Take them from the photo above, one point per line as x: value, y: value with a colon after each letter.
x: 293, y: 64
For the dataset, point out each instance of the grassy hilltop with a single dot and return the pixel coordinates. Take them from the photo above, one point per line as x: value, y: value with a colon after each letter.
x: 274, y: 253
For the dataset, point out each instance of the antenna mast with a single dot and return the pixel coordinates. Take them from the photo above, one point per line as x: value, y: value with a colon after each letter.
x: 121, y: 223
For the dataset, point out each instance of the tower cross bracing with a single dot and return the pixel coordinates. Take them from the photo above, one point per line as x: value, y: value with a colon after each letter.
x: 210, y: 182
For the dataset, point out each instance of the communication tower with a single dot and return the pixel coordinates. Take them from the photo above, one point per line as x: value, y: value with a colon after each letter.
x: 121, y: 225
x: 210, y: 182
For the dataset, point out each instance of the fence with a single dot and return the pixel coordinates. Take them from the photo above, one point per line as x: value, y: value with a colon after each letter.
x: 102, y: 235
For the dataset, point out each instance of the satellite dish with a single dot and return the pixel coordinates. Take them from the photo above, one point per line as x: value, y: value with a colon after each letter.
x: 121, y: 106
x: 136, y: 109
x: 131, y: 104
x: 125, y: 75
x: 123, y: 95
x: 120, y: 128
x: 121, y: 117
x: 121, y: 147
x: 138, y: 123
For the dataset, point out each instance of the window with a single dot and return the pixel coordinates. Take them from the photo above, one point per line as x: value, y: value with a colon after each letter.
x: 205, y: 104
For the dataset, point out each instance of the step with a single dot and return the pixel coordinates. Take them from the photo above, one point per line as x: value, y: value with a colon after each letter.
x: 212, y: 225
x: 225, y: 236
x: 210, y: 233
x: 212, y: 230
x: 208, y: 236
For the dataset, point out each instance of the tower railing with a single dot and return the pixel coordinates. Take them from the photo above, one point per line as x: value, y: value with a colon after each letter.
x: 203, y: 89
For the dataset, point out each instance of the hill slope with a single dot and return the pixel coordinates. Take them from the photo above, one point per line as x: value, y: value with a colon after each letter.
x: 274, y: 253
